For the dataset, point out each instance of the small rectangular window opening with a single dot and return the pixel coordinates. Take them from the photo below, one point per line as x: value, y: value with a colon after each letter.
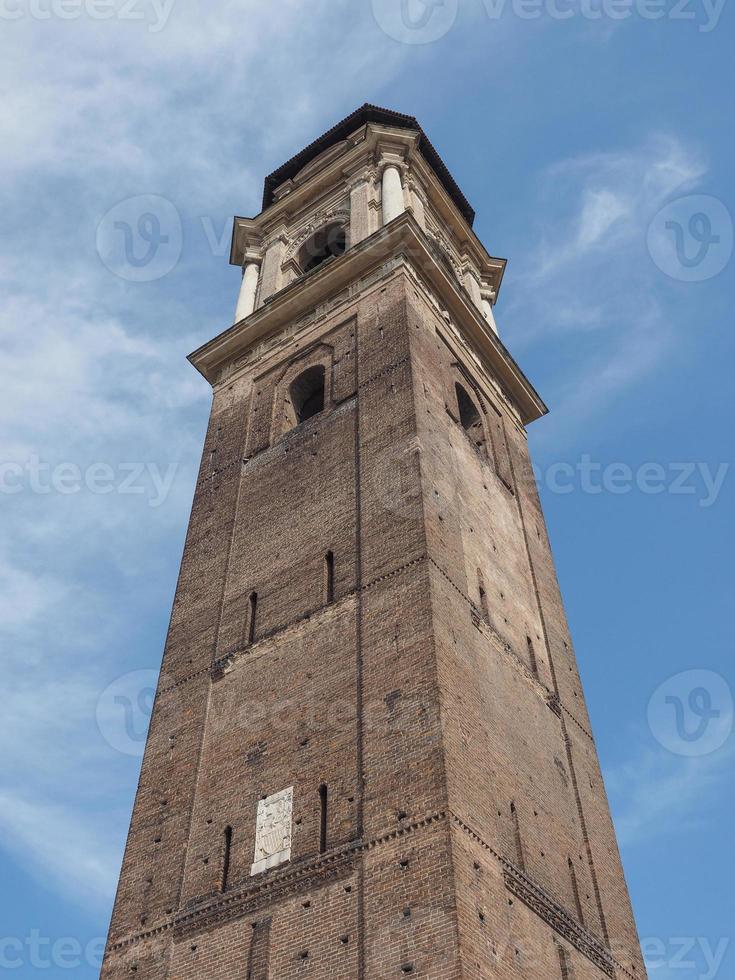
x: 329, y: 577
x: 322, y: 818
x: 532, y: 656
x: 517, y: 836
x: 484, y: 608
x: 252, y: 616
x: 226, y: 859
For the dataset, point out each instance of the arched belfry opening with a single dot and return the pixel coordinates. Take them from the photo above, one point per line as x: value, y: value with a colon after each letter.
x: 329, y: 242
x: 306, y: 395
x: 469, y: 417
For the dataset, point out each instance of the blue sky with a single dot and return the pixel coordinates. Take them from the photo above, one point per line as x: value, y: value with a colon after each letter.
x: 588, y: 135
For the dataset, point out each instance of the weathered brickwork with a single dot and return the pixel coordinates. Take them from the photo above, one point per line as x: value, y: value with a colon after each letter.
x: 367, y: 611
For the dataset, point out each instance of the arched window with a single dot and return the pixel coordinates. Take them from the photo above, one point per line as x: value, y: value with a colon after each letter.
x: 469, y: 417
x: 326, y: 243
x: 306, y: 394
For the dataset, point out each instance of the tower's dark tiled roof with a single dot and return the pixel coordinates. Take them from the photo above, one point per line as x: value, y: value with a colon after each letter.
x: 365, y: 114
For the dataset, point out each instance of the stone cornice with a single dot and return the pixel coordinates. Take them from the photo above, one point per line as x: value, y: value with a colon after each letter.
x: 402, y: 238
x: 539, y: 901
x: 366, y: 148
x: 532, y: 895
x: 352, y: 129
x: 211, y: 911
x: 207, y: 912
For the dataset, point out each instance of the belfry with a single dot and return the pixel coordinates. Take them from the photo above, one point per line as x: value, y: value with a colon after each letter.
x: 369, y: 755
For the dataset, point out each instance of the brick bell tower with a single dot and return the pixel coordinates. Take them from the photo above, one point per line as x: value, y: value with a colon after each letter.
x: 369, y: 755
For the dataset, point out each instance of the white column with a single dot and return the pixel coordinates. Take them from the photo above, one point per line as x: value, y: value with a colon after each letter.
x: 248, y: 289
x: 393, y: 202
x: 487, y: 309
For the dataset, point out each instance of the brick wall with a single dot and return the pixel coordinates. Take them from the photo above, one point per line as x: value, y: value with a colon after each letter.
x: 467, y: 831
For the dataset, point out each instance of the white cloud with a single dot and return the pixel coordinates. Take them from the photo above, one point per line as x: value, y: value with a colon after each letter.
x: 61, y: 848
x: 586, y: 292
x: 659, y: 794
x: 93, y: 366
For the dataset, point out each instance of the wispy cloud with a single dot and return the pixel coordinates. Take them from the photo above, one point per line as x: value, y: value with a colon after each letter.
x: 659, y: 794
x: 64, y: 849
x: 587, y: 286
x: 93, y: 366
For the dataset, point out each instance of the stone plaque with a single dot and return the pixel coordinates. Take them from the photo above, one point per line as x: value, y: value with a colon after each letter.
x: 273, y: 831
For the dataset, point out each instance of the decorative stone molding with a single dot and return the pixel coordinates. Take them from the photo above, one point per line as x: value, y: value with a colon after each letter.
x: 244, y: 902
x: 318, y: 220
x: 407, y: 245
x: 207, y: 912
x: 517, y: 882
x: 441, y: 242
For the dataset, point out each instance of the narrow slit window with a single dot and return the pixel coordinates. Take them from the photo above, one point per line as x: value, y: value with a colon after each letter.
x: 564, y: 968
x: 532, y: 656
x: 322, y: 818
x: 575, y: 890
x: 484, y: 608
x: 252, y: 616
x: 329, y: 577
x: 226, y: 859
x: 517, y: 836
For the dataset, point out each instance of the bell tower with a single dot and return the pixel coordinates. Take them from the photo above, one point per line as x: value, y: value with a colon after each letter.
x: 369, y: 755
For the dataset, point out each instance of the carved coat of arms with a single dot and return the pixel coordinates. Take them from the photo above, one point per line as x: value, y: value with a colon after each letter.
x: 273, y: 831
